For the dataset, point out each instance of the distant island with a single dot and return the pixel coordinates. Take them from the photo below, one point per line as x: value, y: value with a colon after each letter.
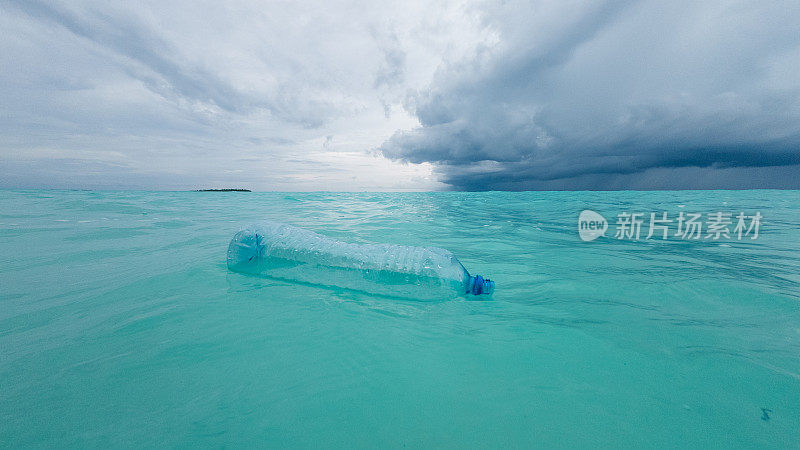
x: 222, y: 190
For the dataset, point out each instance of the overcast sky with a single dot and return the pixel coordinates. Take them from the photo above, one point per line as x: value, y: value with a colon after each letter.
x: 373, y: 95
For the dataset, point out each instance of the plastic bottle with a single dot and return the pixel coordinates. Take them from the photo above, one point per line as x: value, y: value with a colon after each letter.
x: 289, y: 253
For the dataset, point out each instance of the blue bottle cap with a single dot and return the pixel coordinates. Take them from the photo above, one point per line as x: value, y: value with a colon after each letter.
x: 480, y: 285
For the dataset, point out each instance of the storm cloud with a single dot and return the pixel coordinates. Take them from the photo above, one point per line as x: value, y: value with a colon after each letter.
x: 382, y: 95
x: 616, y: 95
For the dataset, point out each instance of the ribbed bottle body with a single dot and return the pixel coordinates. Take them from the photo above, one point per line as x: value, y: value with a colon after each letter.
x: 289, y: 253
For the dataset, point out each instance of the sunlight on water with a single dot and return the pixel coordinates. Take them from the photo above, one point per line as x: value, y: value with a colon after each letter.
x: 121, y: 325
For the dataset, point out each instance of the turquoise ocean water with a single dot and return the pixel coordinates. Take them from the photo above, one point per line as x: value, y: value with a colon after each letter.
x: 120, y: 326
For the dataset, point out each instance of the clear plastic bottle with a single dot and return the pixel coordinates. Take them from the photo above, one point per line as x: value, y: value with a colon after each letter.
x: 289, y: 253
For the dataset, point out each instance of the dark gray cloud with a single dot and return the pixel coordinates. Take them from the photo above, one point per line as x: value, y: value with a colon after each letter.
x: 611, y: 95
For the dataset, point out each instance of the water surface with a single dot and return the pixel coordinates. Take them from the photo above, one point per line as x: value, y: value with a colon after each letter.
x: 121, y: 326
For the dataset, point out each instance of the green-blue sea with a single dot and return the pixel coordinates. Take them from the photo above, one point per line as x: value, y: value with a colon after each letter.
x: 121, y: 326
